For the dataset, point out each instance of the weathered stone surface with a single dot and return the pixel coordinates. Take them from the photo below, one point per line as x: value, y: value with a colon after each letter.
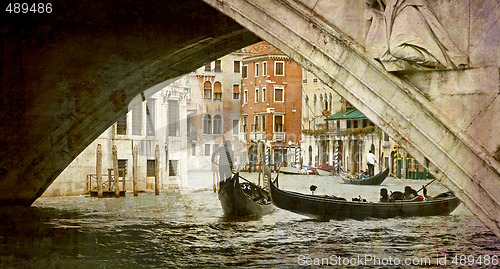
x: 468, y: 98
x: 485, y: 126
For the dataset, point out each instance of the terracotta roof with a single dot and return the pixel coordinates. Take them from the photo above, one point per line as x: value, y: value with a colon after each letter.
x: 260, y: 49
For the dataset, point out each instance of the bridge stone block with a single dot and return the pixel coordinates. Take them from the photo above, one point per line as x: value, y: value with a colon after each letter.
x: 340, y: 73
x: 482, y: 178
x: 467, y: 99
x: 343, y: 14
x: 485, y: 127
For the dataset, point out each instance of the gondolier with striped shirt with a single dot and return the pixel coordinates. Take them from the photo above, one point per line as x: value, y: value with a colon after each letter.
x: 371, y: 161
x: 226, y: 157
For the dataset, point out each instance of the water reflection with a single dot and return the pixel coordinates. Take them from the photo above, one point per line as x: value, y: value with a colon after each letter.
x: 189, y: 230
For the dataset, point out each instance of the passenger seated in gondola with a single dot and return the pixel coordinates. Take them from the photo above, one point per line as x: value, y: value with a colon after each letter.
x: 395, y: 196
x: 384, y: 197
x: 362, y: 175
x: 409, y: 193
x: 359, y: 199
x: 258, y: 195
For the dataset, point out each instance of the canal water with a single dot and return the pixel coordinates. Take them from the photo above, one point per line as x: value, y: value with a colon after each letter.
x: 188, y: 230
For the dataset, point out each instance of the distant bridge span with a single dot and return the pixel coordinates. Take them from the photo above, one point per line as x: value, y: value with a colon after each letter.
x: 68, y: 76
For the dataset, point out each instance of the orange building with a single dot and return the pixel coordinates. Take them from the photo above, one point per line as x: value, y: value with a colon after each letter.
x: 272, y: 103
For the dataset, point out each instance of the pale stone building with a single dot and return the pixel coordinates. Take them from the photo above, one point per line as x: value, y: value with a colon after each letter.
x: 155, y: 120
x: 213, y: 111
x: 318, y: 102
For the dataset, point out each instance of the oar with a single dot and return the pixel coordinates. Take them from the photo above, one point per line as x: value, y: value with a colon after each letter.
x: 393, y: 175
x: 427, y: 184
x: 245, y: 179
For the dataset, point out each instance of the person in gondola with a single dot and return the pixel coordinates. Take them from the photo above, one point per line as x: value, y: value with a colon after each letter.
x: 409, y: 193
x: 371, y: 161
x: 384, y: 196
x: 226, y: 157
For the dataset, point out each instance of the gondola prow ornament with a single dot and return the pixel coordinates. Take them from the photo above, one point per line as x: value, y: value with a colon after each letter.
x: 312, y: 189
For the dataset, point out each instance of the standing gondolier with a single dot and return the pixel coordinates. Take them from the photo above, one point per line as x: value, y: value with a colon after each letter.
x: 371, y: 161
x: 226, y: 157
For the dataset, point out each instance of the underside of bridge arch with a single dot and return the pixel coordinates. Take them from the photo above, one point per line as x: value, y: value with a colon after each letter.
x: 398, y: 107
x: 68, y: 75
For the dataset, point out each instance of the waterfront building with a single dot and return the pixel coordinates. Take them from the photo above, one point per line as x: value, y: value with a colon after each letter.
x: 271, y: 104
x: 213, y: 111
x: 353, y: 136
x: 151, y: 121
x: 333, y: 130
x: 318, y: 102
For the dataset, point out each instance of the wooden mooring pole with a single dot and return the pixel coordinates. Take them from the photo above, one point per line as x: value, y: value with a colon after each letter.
x: 98, y: 170
x: 157, y: 170
x: 134, y: 171
x: 115, y: 171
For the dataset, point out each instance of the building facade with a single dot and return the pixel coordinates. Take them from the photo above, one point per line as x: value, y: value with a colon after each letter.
x: 155, y: 121
x: 271, y: 104
x: 318, y: 102
x: 214, y: 108
x: 334, y: 132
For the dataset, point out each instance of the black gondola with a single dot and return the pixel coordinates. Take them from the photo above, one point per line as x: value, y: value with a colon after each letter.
x: 290, y: 170
x: 243, y: 199
x: 331, y: 207
x: 375, y: 180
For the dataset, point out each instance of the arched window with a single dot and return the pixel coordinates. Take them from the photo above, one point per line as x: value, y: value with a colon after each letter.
x: 310, y: 155
x: 306, y: 108
x: 217, y: 124
x: 217, y: 91
x: 207, y: 90
x: 315, y: 107
x: 330, y: 102
x: 207, y: 124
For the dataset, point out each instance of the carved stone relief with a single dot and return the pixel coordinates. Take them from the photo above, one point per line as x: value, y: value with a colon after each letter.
x: 405, y: 35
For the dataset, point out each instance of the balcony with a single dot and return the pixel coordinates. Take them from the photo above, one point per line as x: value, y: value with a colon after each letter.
x: 279, y: 136
x: 257, y: 135
x: 243, y: 137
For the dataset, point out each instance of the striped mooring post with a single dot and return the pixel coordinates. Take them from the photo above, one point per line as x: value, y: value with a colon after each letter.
x: 268, y: 156
x: 297, y: 156
x: 335, y: 158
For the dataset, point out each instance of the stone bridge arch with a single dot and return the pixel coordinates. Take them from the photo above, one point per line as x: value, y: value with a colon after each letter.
x: 314, y: 34
x: 65, y: 77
